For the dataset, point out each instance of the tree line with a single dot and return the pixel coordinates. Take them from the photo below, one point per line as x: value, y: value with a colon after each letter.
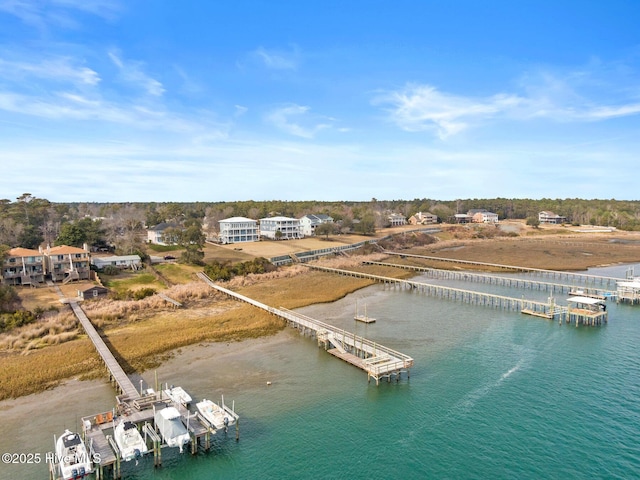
x: 31, y: 222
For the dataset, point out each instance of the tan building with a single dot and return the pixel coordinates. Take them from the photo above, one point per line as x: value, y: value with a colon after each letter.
x: 422, y: 218
x: 64, y: 263
x: 23, y: 266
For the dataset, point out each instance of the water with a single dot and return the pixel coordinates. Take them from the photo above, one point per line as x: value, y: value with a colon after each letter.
x: 494, y: 394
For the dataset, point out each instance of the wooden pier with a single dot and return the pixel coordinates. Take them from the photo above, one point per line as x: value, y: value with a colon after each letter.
x: 548, y: 310
x: 377, y: 360
x: 116, y: 373
x: 608, y: 282
x: 510, y: 282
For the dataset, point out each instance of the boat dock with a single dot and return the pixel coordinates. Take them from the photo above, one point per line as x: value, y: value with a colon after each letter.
x: 377, y: 360
x: 116, y: 373
x: 548, y: 310
x: 133, y: 406
x: 512, y: 282
x: 608, y: 282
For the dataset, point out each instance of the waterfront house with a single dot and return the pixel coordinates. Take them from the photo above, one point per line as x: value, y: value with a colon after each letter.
x: 238, y: 230
x: 23, y: 266
x: 308, y: 223
x: 549, y: 218
x: 158, y: 233
x: 396, y: 219
x: 289, y: 228
x: 64, y: 263
x: 423, y: 218
x: 483, y: 216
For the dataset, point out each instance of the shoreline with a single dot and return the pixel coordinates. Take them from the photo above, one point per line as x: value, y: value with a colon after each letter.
x: 285, y: 291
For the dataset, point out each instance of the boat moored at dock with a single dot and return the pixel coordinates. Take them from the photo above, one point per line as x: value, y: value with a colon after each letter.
x: 173, y: 431
x: 218, y: 415
x: 130, y: 442
x: 178, y: 395
x: 72, y: 456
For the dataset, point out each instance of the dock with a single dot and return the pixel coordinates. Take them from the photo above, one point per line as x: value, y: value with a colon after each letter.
x: 548, y: 310
x: 511, y: 282
x: 116, y: 373
x: 376, y: 360
x: 609, y: 282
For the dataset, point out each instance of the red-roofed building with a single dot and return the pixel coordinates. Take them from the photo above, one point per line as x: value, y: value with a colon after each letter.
x: 65, y: 263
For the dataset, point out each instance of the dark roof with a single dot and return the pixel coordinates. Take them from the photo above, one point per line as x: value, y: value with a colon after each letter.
x: 163, y: 226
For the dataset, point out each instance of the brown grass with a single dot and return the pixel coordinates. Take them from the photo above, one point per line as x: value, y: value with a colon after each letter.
x: 142, y: 333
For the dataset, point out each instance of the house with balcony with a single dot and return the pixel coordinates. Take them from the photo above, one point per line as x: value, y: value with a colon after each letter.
x: 308, y: 223
x: 423, y: 218
x: 289, y: 228
x: 396, y: 219
x: 158, y: 233
x: 238, y: 230
x: 550, y: 218
x: 482, y: 216
x: 65, y: 264
x: 23, y: 266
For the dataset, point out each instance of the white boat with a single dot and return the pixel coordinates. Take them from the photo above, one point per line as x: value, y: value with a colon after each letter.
x: 178, y: 395
x: 173, y: 431
x: 129, y: 441
x: 220, y: 416
x: 72, y: 456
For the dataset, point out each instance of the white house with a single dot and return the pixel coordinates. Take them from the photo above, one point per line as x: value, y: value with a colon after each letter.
x: 120, y: 261
x: 308, y: 223
x: 156, y: 234
x: 546, y: 217
x: 288, y: 227
x: 238, y: 230
x: 396, y: 219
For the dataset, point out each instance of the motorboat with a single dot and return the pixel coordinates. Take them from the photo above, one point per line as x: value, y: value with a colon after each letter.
x: 130, y: 442
x: 170, y: 425
x: 218, y: 415
x: 178, y: 395
x: 72, y: 456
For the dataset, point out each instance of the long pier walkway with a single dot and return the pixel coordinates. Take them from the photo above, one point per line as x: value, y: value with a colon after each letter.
x: 503, y: 281
x: 530, y: 307
x: 375, y: 359
x: 594, y: 280
x: 116, y: 372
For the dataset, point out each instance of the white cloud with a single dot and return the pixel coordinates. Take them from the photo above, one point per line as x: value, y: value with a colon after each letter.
x: 423, y: 107
x: 55, y: 68
x: 60, y: 13
x: 132, y: 73
x: 281, y: 118
x: 278, y: 60
x: 417, y: 108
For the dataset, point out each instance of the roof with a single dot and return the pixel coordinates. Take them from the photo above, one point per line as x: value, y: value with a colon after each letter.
x: 280, y: 219
x: 586, y: 300
x: 163, y: 226
x: 237, y: 219
x: 24, y: 252
x: 96, y: 288
x: 117, y: 258
x: 64, y: 249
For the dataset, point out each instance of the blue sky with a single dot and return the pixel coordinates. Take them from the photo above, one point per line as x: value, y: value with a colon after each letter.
x: 146, y: 100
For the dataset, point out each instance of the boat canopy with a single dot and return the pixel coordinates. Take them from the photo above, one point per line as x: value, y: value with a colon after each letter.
x: 585, y: 300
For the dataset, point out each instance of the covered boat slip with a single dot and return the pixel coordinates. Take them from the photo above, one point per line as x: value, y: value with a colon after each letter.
x: 629, y: 291
x: 586, y: 311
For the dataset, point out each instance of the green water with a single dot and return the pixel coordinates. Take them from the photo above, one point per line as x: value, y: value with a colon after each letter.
x: 494, y: 394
